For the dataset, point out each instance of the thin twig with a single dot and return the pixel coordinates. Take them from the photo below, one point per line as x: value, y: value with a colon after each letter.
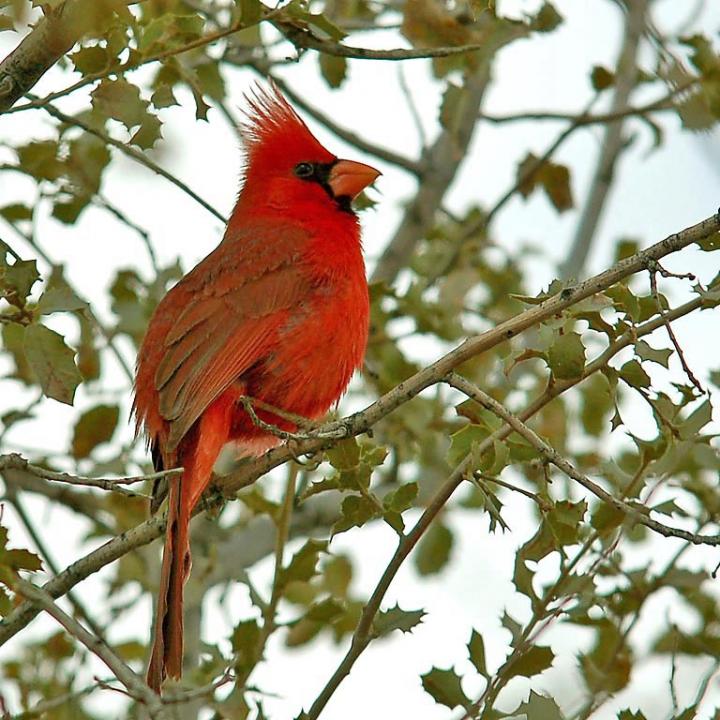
x: 96, y: 645
x: 613, y: 141
x: 304, y: 40
x: 360, y: 422
x: 103, y: 202
x: 47, y: 557
x: 61, y: 701
x: 586, y: 118
x: 135, y: 155
x: 553, y: 457
x: 14, y: 461
x: 653, y: 268
x: 348, y: 136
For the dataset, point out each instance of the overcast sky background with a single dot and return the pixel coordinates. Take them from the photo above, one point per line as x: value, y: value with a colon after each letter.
x: 658, y: 193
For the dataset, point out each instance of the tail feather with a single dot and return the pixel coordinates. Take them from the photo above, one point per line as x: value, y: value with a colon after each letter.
x: 197, y: 456
x: 167, y: 651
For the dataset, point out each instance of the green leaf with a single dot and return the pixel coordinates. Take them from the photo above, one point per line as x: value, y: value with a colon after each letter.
x: 461, y: 442
x: 90, y: 59
x: 660, y: 356
x: 13, y: 343
x: 601, y: 78
x: 546, y: 19
x: 533, y: 662
x: 6, y: 605
x: 120, y: 100
x: 163, y: 96
x: 16, y: 281
x: 168, y: 31
x: 245, y: 641
x: 20, y: 560
x: 303, y: 565
x: 325, y: 611
x: 345, y: 455
x: 433, y: 552
x: 16, y: 211
x: 149, y: 132
x: 606, y: 518
x: 630, y: 715
x: 250, y: 11
x: 538, y: 707
x: 402, y: 498
x: 53, y: 363
x: 337, y: 573
x: 94, y: 427
x: 59, y: 298
x: 566, y: 356
x: 710, y: 244
x: 696, y: 422
x: 634, y: 375
x: 320, y: 26
x: 554, y: 179
x: 445, y: 688
x: 476, y: 651
x: 254, y: 499
x: 333, y: 69
x: 355, y: 512
x: 386, y: 621
x: 40, y: 159
x: 515, y: 628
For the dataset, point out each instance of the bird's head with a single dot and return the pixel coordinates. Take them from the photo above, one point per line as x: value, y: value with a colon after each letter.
x: 287, y: 169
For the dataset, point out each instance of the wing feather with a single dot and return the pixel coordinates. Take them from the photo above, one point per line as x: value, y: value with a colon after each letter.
x: 233, y: 305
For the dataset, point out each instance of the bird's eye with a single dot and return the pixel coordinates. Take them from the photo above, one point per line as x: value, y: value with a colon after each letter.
x: 304, y: 170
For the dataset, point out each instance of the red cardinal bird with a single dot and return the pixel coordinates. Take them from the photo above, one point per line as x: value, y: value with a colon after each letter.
x: 277, y: 312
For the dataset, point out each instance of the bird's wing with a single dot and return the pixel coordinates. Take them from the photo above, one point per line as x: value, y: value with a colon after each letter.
x: 234, y: 303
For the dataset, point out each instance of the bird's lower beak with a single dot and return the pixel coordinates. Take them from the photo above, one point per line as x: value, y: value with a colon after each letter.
x: 349, y: 178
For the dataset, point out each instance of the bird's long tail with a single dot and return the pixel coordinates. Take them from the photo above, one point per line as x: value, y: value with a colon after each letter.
x: 198, y: 457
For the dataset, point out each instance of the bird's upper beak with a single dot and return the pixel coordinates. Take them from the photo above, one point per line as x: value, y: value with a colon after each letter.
x: 349, y: 178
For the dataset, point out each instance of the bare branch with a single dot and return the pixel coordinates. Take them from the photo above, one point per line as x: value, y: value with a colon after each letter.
x: 440, y: 163
x: 654, y: 268
x: 14, y: 461
x: 348, y: 136
x: 360, y: 422
x: 304, y: 40
x: 586, y: 118
x: 46, y: 706
x: 552, y: 456
x: 612, y: 144
x: 135, y: 155
x: 82, y: 503
x: 52, y: 37
x: 136, y: 687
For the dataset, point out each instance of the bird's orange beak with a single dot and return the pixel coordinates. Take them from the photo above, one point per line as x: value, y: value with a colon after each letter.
x: 349, y: 178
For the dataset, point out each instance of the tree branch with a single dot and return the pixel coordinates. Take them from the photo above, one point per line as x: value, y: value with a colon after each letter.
x: 135, y: 155
x: 362, y: 635
x: 612, y: 144
x: 304, y: 40
x: 135, y: 686
x: 52, y: 37
x: 360, y: 422
x: 439, y: 164
x: 553, y: 457
x: 14, y: 461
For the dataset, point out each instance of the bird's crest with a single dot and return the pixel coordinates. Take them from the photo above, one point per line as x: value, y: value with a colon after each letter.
x: 275, y: 134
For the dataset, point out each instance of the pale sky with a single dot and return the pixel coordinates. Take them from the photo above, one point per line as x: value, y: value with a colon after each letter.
x: 659, y: 192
